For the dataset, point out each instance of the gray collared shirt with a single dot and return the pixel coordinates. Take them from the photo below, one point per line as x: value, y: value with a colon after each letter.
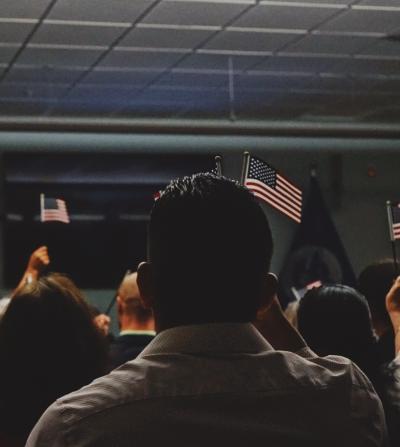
x: 217, y: 385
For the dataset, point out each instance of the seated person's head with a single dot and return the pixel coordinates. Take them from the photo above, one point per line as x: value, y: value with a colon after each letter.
x: 132, y: 314
x: 335, y: 319
x: 210, y: 248
x: 374, y: 283
x: 49, y: 346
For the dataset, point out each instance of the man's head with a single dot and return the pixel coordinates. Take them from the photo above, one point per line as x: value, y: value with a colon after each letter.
x: 131, y: 312
x: 374, y: 283
x: 210, y: 248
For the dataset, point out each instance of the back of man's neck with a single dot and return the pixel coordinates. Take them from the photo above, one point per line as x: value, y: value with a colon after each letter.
x: 135, y: 326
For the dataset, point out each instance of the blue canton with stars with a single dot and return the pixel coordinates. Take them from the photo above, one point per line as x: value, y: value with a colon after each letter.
x: 259, y: 170
x: 396, y: 213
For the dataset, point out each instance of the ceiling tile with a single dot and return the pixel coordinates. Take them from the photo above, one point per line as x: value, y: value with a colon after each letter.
x: 194, y: 13
x: 271, y: 112
x: 246, y: 98
x: 390, y: 114
x: 383, y: 47
x: 340, y: 84
x: 82, y: 109
x: 30, y: 91
x: 353, y: 105
x: 180, y: 96
x: 371, y: 21
x: 267, y: 81
x: 6, y: 54
x: 380, y: 3
x: 370, y: 66
x: 217, y: 62
x: 76, y: 35
x: 134, y: 78
x: 299, y: 64
x: 151, y: 110
x: 198, y: 80
x: 248, y: 41
x: 156, y: 101
x: 338, y: 70
x: 15, y: 32
x: 23, y: 9
x: 139, y: 59
x: 207, y: 111
x: 99, y: 10
x: 45, y: 75
x: 312, y: 100
x: 284, y: 17
x: 22, y: 108
x: 102, y: 94
x: 323, y: 44
x: 316, y: 2
x: 57, y: 57
x: 165, y: 38
x: 387, y: 86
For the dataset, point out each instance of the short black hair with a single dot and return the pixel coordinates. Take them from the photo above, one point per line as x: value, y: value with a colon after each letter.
x: 335, y: 319
x: 374, y: 283
x: 210, y: 245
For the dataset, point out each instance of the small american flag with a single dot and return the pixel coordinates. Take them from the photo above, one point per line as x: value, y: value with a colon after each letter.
x: 53, y: 210
x: 395, y: 208
x: 268, y: 185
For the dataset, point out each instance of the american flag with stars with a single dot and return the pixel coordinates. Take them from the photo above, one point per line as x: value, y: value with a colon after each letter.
x: 53, y: 210
x: 268, y: 185
x: 395, y: 208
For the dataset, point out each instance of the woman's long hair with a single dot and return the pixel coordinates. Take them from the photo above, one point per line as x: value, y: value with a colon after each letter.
x: 49, y: 346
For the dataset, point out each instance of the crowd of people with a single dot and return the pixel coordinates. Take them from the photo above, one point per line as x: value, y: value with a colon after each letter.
x: 226, y: 367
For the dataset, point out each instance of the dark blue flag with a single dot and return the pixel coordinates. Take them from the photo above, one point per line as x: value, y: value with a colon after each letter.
x: 317, y: 255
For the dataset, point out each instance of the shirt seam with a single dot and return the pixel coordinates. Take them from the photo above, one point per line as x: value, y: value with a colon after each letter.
x: 300, y: 390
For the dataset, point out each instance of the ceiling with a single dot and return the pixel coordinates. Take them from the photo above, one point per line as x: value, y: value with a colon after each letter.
x: 313, y: 61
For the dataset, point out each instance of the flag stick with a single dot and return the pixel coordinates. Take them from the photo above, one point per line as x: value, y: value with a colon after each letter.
x: 392, y: 239
x: 42, y: 207
x: 245, y: 167
x: 112, y: 302
x: 396, y: 264
x: 218, y: 162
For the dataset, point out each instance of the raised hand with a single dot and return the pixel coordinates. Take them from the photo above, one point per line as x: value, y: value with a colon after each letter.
x: 393, y: 308
x: 38, y: 261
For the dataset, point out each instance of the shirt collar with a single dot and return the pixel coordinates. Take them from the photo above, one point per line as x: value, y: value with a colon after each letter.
x: 136, y: 332
x: 222, y: 338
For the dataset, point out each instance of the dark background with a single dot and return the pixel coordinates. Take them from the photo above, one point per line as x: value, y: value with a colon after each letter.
x: 110, y: 196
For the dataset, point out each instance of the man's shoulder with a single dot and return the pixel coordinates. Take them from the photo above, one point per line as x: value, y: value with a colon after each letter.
x: 276, y: 371
x: 118, y: 387
x: 149, y: 377
x: 164, y: 379
x: 60, y: 420
x: 332, y: 368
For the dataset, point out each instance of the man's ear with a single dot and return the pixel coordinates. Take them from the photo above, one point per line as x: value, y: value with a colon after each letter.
x: 270, y: 290
x: 145, y: 284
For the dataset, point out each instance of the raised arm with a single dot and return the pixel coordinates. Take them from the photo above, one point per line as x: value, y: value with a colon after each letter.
x: 276, y: 328
x: 393, y: 308
x: 38, y: 261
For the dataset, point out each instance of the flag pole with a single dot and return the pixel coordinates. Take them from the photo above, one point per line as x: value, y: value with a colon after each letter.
x: 245, y: 167
x: 392, y: 239
x: 218, y: 162
x: 41, y: 207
